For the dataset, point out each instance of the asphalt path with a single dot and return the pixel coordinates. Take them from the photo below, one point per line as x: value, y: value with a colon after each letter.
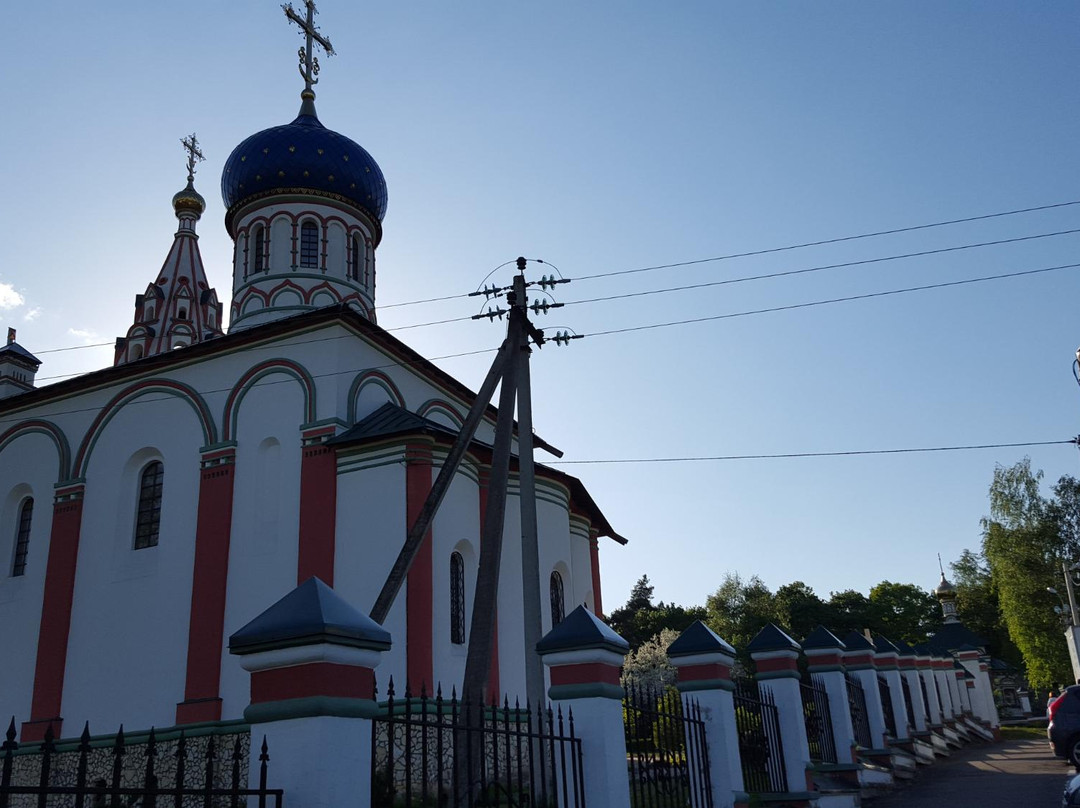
x: 1010, y: 774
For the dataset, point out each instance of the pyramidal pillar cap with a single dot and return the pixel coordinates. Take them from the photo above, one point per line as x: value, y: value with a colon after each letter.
x: 584, y: 656
x: 824, y: 650
x: 310, y: 654
x: 775, y: 653
x: 703, y: 660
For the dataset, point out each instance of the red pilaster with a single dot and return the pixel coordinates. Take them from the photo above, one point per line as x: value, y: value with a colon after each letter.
x: 55, y: 615
x: 493, y: 673
x: 318, y: 507
x: 418, y: 604
x: 206, y: 625
x: 594, y: 564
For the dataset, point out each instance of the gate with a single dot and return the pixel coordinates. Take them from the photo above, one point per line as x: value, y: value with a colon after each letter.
x: 818, y: 720
x: 887, y: 706
x: 667, y: 756
x: 760, y: 749
x: 446, y: 752
x: 860, y: 721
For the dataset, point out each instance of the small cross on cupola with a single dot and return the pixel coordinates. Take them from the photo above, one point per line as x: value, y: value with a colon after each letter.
x: 309, y: 63
x: 178, y: 307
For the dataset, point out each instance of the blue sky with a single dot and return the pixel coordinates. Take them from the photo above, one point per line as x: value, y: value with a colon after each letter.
x: 610, y: 136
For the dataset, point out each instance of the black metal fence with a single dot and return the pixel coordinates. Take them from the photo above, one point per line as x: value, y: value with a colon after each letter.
x: 667, y: 755
x: 818, y: 720
x: 887, y: 706
x: 451, y: 752
x: 761, y: 751
x: 909, y: 704
x: 860, y: 721
x: 184, y: 772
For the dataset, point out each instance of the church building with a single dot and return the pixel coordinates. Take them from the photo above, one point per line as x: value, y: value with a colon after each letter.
x: 150, y: 509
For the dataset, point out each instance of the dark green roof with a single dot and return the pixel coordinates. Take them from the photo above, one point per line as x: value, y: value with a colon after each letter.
x: 16, y: 350
x: 883, y: 645
x: 821, y: 638
x: 857, y: 642
x: 579, y: 630
x: 905, y: 649
x: 954, y: 635
x: 772, y: 638
x: 312, y: 613
x: 699, y: 639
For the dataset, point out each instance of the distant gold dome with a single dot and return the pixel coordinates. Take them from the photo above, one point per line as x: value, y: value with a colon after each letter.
x: 945, y: 589
x: 189, y: 200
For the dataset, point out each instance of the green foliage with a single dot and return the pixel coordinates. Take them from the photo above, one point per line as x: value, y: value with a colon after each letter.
x: 639, y: 620
x: 903, y: 612
x: 647, y: 666
x: 1025, y: 539
x: 979, y: 607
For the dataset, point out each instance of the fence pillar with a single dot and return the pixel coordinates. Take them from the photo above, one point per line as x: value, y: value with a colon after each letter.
x: 887, y: 662
x: 960, y: 676
x: 986, y: 687
x: 776, y: 658
x: 312, y: 658
x: 924, y: 664
x: 583, y: 656
x: 859, y: 661
x: 942, y: 664
x: 824, y: 653
x: 703, y: 662
x: 907, y: 662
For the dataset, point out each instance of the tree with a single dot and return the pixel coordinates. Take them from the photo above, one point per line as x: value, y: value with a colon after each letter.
x: 903, y: 612
x: 1025, y: 539
x: 849, y: 610
x: 978, y: 605
x: 648, y: 666
x: 739, y: 609
x: 799, y: 611
x: 639, y: 620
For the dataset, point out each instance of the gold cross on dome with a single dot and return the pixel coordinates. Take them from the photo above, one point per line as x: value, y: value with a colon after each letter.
x: 309, y: 64
x: 194, y: 153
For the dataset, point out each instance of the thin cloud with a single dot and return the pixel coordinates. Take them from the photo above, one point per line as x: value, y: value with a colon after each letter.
x: 85, y: 334
x: 9, y: 298
x: 32, y: 315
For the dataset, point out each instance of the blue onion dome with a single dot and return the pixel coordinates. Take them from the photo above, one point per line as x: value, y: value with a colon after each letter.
x: 303, y: 157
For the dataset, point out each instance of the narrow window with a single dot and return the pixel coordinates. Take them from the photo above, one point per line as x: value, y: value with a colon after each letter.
x: 22, y: 537
x: 557, y: 613
x: 149, y: 517
x: 309, y: 245
x: 354, y: 259
x: 457, y: 599
x: 259, y: 260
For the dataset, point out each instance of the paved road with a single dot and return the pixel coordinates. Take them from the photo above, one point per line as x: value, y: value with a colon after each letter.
x: 1012, y: 774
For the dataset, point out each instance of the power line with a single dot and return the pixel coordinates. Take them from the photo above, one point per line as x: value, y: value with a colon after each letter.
x: 822, y: 242
x: 787, y: 455
x: 807, y: 270
x: 866, y: 296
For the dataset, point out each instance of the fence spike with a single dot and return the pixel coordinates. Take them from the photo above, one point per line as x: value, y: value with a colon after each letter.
x: 11, y: 732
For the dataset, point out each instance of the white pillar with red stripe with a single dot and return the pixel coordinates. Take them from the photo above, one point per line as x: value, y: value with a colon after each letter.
x: 776, y: 660
x: 824, y: 653
x: 583, y: 656
x: 312, y: 659
x: 704, y: 662
x: 859, y: 661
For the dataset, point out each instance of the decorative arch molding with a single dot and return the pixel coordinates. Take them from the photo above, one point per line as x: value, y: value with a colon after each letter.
x: 325, y: 287
x: 379, y: 380
x: 249, y: 379
x: 129, y: 394
x: 53, y: 432
x: 440, y: 406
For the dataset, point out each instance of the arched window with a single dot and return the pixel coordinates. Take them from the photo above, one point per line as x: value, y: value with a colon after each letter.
x: 22, y: 537
x: 258, y: 255
x: 557, y: 612
x: 354, y: 258
x: 457, y: 599
x: 148, y: 521
x: 309, y: 245
x: 136, y: 351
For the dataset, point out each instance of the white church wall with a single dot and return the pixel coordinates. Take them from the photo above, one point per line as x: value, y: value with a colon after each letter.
x: 262, y: 566
x: 370, y: 528
x: 581, y: 563
x: 127, y: 643
x: 456, y: 528
x: 29, y: 466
